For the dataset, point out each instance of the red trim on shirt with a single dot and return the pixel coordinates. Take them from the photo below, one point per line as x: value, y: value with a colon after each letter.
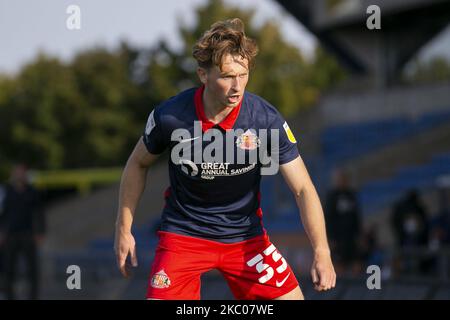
x: 225, y: 124
x: 167, y: 193
x: 259, y: 213
x: 166, y: 196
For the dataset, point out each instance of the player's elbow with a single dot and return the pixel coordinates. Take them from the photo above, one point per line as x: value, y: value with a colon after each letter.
x: 134, y: 164
x: 298, y: 191
x: 302, y: 189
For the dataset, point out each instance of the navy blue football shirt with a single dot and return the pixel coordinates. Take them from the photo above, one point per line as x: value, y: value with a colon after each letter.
x: 215, y: 169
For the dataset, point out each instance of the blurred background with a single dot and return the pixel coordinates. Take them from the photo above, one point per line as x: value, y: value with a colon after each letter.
x: 370, y: 109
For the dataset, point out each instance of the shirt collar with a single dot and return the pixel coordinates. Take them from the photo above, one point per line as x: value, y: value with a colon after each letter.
x: 225, y: 124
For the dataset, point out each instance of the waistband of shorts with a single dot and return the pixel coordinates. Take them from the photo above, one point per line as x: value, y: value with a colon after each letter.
x: 173, y: 235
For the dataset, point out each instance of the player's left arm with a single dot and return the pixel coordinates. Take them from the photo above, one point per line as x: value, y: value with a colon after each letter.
x: 311, y: 213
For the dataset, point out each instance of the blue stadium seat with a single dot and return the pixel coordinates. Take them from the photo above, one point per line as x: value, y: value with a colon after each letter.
x: 340, y: 143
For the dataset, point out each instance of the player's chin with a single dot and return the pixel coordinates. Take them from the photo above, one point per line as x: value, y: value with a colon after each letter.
x: 231, y: 105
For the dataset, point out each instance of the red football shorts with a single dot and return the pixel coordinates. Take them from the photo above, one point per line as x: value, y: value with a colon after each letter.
x: 254, y: 268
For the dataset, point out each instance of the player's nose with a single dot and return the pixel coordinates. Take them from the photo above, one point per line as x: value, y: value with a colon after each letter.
x: 236, y: 85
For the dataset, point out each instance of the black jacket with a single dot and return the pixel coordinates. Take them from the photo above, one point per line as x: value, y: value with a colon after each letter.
x: 21, y: 212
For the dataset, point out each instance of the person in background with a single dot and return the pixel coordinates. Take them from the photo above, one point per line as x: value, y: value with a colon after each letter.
x: 22, y: 229
x: 343, y: 222
x: 409, y: 222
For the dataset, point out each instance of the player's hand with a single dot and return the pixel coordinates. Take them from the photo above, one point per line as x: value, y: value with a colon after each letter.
x: 322, y: 271
x: 125, y: 245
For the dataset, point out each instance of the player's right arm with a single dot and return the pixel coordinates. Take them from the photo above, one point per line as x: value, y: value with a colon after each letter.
x: 131, y: 187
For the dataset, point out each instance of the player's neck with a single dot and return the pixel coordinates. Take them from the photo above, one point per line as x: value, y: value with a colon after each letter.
x: 214, y: 112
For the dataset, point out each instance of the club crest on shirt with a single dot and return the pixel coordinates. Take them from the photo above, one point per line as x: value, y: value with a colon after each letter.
x: 248, y: 141
x: 160, y: 280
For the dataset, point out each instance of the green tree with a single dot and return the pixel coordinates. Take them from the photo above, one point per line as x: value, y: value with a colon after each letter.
x: 104, y: 81
x: 29, y: 114
x: 66, y: 116
x: 436, y: 69
x: 7, y: 88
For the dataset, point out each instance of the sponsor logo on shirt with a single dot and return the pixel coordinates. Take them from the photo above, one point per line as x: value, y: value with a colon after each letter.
x: 216, y: 153
x: 212, y: 170
x: 209, y: 171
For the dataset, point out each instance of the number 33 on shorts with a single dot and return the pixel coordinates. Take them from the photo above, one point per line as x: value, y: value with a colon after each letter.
x: 261, y: 267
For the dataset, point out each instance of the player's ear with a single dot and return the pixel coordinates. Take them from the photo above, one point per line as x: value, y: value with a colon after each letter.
x: 202, y: 74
